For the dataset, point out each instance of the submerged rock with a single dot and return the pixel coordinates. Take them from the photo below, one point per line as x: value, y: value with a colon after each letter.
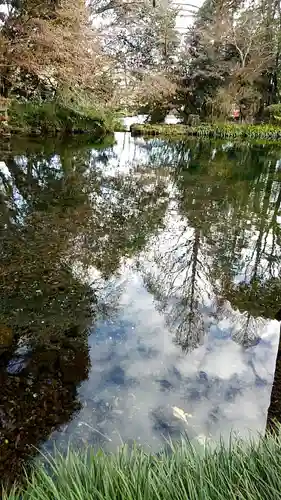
x: 16, y: 365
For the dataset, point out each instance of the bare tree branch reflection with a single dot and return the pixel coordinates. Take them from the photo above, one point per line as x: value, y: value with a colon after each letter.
x: 179, y: 283
x: 227, y: 234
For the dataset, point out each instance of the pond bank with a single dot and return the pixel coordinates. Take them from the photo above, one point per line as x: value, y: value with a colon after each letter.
x: 244, y: 470
x: 208, y: 130
x: 51, y: 119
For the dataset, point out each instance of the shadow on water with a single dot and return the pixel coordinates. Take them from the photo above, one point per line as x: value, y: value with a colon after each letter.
x: 136, y: 278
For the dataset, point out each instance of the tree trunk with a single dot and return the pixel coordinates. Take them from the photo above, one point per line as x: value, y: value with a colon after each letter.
x: 274, y: 410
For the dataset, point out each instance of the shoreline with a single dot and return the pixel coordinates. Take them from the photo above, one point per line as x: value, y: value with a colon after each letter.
x: 226, y: 131
x: 249, y: 469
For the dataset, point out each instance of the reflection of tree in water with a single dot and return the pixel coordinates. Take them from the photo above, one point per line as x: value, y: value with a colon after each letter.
x: 169, y: 152
x: 43, y: 305
x: 178, y: 283
x: 45, y: 210
x: 238, y: 198
x: 127, y: 210
x: 59, y: 216
x: 247, y: 261
x: 231, y: 201
x: 258, y: 294
x: 227, y: 195
x: 260, y: 299
x: 245, y: 328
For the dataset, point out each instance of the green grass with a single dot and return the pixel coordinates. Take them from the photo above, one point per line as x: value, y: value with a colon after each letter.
x: 241, y: 470
x: 54, y: 118
x: 269, y: 132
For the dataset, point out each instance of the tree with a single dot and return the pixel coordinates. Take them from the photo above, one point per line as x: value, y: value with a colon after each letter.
x: 245, y: 38
x: 230, y: 51
x: 156, y: 94
x: 203, y: 67
x: 48, y: 46
x: 143, y: 42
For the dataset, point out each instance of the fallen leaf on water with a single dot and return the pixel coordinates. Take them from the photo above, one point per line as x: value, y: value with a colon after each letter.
x: 179, y: 413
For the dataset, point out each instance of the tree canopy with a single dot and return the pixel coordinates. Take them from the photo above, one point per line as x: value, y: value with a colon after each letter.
x: 133, y: 52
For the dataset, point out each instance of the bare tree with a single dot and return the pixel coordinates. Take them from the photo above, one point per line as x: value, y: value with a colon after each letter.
x: 242, y: 40
x: 142, y: 41
x: 49, y: 45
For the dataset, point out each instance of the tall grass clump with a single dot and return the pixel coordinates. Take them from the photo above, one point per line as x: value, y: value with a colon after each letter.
x: 241, y: 470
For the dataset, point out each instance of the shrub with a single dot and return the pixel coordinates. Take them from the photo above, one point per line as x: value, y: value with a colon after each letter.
x: 273, y: 112
x: 52, y: 118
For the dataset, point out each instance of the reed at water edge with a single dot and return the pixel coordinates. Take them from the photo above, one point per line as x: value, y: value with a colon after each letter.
x: 240, y: 470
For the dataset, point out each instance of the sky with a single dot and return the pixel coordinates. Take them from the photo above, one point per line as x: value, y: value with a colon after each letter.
x: 183, y: 16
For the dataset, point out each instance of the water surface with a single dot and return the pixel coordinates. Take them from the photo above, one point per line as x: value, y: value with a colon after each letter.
x: 138, y: 278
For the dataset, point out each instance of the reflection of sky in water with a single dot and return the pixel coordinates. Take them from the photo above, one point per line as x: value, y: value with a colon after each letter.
x: 139, y: 374
x: 129, y: 152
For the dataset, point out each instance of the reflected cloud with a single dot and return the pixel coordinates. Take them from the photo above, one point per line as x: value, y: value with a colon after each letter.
x: 162, y: 258
x: 138, y: 375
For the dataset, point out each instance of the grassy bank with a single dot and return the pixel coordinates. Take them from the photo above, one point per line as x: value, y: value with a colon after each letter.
x: 268, y: 132
x: 54, y: 118
x: 239, y: 471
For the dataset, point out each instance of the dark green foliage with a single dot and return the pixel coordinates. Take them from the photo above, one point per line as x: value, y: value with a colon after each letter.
x: 231, y: 58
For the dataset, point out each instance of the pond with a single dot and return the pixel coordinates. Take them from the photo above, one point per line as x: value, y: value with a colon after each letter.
x: 140, y: 285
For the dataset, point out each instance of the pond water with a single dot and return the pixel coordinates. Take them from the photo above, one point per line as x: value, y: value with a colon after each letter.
x: 140, y: 282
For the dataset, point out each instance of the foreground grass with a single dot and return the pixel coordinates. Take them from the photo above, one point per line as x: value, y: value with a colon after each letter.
x: 239, y: 471
x: 269, y: 132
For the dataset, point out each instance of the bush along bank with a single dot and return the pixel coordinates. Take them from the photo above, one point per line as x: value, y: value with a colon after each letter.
x: 241, y: 470
x: 268, y: 132
x: 53, y: 118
